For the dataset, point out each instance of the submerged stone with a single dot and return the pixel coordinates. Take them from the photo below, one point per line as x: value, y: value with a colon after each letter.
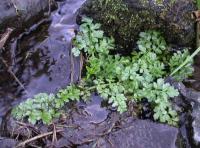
x: 125, y: 19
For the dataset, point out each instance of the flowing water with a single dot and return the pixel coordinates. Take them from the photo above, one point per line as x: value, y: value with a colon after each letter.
x: 40, y: 57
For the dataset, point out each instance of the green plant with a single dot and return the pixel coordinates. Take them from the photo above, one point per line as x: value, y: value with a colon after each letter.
x: 117, y: 79
x: 198, y: 4
x: 151, y: 41
x: 41, y: 107
x: 91, y: 39
x: 158, y: 93
x: 45, y: 107
x: 139, y: 76
x: 113, y: 93
x: 177, y: 60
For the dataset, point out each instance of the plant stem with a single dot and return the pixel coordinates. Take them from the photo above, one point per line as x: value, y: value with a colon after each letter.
x: 186, y: 61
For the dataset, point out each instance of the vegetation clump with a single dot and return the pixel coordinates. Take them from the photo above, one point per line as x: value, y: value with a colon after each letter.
x: 44, y: 107
x: 116, y: 78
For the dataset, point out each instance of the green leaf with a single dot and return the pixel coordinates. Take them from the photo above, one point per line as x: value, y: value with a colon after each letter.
x: 46, y: 117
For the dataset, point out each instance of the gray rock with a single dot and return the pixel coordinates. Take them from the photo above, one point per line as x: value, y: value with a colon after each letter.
x: 196, y: 123
x: 192, y: 97
x: 143, y: 134
x: 124, y: 19
x: 139, y: 134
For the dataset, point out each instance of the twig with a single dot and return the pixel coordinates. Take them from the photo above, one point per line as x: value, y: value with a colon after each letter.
x: 30, y: 126
x: 54, y: 138
x: 197, y: 17
x: 49, y: 11
x: 108, y: 131
x: 110, y: 142
x: 67, y: 126
x: 72, y: 67
x: 22, y: 144
x: 13, y: 75
x: 5, y: 37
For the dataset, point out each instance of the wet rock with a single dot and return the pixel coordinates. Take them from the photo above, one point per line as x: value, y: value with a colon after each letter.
x: 139, y: 134
x: 124, y: 19
x: 17, y: 12
x: 195, y: 103
x: 121, y: 132
x: 193, y: 98
x: 95, y: 114
x: 7, y: 143
x: 196, y: 123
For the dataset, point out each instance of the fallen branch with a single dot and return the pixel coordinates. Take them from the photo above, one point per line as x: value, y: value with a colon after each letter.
x: 22, y: 144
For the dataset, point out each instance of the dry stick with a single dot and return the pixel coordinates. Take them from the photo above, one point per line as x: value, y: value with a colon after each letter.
x: 72, y: 67
x: 22, y: 144
x: 49, y: 11
x: 5, y: 37
x: 13, y: 75
x: 54, y: 138
x: 196, y: 14
x: 198, y: 34
x: 67, y: 126
x: 110, y: 142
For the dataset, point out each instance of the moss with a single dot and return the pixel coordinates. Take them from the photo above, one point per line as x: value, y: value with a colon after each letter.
x: 119, y: 20
x: 114, y: 16
x: 124, y: 19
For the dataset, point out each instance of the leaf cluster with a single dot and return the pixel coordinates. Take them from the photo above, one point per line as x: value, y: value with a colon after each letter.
x: 176, y: 60
x: 44, y: 107
x: 120, y: 79
x: 113, y: 93
x: 91, y: 40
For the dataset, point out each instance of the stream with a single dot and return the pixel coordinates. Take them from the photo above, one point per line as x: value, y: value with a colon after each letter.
x: 40, y: 57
